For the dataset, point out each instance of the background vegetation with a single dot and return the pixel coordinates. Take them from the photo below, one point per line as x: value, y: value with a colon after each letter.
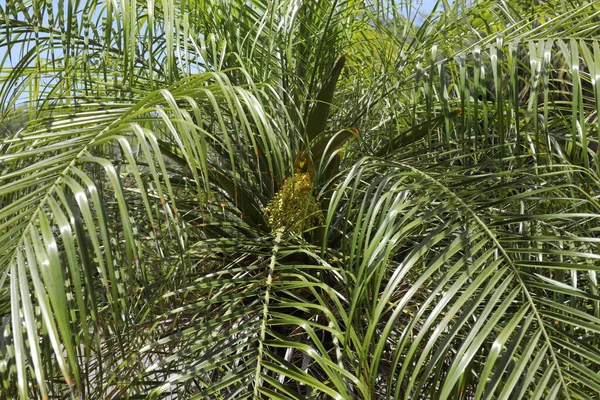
x: 299, y: 199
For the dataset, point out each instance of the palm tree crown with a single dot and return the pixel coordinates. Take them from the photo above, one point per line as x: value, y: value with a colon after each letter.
x: 299, y: 199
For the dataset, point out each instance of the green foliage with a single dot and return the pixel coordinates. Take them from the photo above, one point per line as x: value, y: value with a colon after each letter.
x: 188, y: 209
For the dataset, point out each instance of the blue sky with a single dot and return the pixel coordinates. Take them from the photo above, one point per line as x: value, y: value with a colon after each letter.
x: 426, y: 5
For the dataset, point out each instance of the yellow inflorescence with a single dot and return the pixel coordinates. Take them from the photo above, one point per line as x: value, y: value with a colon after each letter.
x: 294, y: 208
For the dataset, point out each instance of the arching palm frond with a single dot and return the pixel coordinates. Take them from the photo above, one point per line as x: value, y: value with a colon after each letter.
x: 85, y: 233
x: 468, y: 282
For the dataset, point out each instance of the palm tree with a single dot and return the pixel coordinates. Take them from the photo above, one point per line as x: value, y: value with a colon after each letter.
x: 299, y: 199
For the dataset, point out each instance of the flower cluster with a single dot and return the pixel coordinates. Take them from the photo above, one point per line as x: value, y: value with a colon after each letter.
x: 294, y: 208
